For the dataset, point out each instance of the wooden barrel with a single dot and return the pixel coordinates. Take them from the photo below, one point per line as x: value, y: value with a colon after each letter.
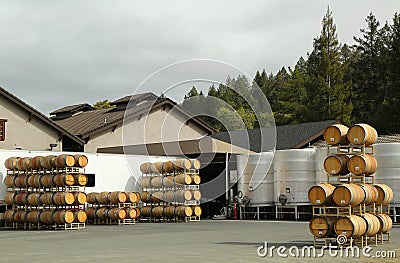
x: 9, y: 198
x: 146, y: 168
x: 36, y: 162
x: 46, y: 198
x: 80, y: 160
x: 145, y: 197
x: 9, y: 216
x: 322, y: 226
x: 34, y: 199
x: 90, y: 212
x: 336, y: 134
x: 386, y: 223
x: 158, y: 167
x: 21, y: 181
x: 102, y: 213
x: 24, y: 164
x: 132, y: 213
x: 145, y: 182
x: 169, y: 196
x: 157, y: 211
x: 169, y: 211
x: 196, y: 164
x: 182, y: 164
x: 196, y: 195
x: 80, y: 216
x: 46, y: 217
x: 103, y: 197
x: 132, y: 197
x: 80, y: 179
x: 321, y: 194
x: 168, y: 167
x: 63, y: 179
x: 91, y: 198
x: 348, y: 194
x: 47, y: 161
x: 34, y: 180
x: 157, y: 197
x: 9, y: 181
x: 146, y: 211
x: 197, y: 210
x: 362, y: 134
x: 168, y: 181
x: 182, y: 211
x: 373, y: 224
x: 64, y: 160
x: 63, y: 198
x: 385, y: 194
x: 63, y: 217
x: 33, y: 217
x: 362, y: 164
x: 117, y: 213
x: 371, y: 194
x: 336, y: 164
x: 117, y: 197
x: 20, y: 216
x: 47, y: 180
x: 196, y: 179
x: 157, y: 181
x: 183, y: 179
x: 183, y: 195
x: 80, y: 198
x: 11, y: 163
x: 21, y: 199
x: 350, y: 226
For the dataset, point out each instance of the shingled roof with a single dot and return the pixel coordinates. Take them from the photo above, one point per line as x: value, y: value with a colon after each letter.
x: 292, y: 136
x: 73, y: 108
x: 35, y: 113
x: 394, y: 138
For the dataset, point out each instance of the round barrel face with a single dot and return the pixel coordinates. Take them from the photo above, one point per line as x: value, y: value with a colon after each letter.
x: 357, y: 135
x: 319, y: 226
x: 357, y: 165
x: 188, y: 211
x: 80, y: 198
x: 333, y: 164
x: 344, y: 226
x: 80, y: 216
x: 196, y: 164
x: 197, y: 210
x: 197, y: 195
x: 9, y: 216
x: 188, y: 195
x: 342, y: 195
x: 80, y: 160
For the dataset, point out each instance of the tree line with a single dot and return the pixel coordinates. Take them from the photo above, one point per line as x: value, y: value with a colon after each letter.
x: 335, y: 81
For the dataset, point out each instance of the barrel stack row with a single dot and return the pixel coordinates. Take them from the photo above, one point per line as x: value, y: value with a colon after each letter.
x: 350, y: 207
x: 46, y: 192
x: 113, y: 207
x: 171, y: 190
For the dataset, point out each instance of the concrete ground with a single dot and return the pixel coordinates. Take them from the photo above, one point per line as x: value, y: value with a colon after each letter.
x: 205, y: 241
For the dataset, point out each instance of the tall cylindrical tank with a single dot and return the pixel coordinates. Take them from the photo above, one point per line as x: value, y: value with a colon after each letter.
x: 294, y: 174
x: 256, y: 177
x: 388, y: 158
x: 320, y: 173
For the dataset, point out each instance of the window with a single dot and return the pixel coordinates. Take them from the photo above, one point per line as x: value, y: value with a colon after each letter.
x: 3, y: 129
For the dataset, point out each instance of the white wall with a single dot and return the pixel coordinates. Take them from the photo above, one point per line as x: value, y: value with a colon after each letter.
x: 20, y: 132
x: 112, y: 171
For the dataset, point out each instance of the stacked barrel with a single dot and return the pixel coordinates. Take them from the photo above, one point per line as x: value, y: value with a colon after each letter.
x: 46, y: 192
x: 171, y: 190
x: 350, y: 206
x: 113, y: 207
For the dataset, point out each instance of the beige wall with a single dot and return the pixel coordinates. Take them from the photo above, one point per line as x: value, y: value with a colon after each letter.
x: 160, y: 125
x: 34, y: 135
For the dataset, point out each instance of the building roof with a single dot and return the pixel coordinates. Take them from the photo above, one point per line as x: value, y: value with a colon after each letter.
x: 147, y: 95
x: 35, y: 113
x: 292, y: 136
x: 93, y: 122
x: 73, y: 108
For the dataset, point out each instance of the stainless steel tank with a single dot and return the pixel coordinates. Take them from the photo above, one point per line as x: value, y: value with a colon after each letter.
x: 294, y: 174
x: 320, y: 173
x: 256, y: 178
x: 388, y: 172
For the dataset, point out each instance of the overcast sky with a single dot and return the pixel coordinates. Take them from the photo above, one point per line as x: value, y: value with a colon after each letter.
x: 54, y: 53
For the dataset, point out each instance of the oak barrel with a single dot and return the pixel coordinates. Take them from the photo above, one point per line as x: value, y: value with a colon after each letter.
x: 196, y: 179
x: 103, y: 197
x: 183, y: 179
x: 80, y: 198
x: 371, y: 194
x: 157, y: 181
x: 348, y: 194
x: 9, y: 198
x: 158, y: 167
x: 80, y: 160
x: 20, y: 216
x: 146, y: 168
x: 24, y: 164
x: 336, y: 134
x: 80, y: 216
x: 169, y: 196
x: 91, y: 198
x: 385, y: 194
x: 9, y: 181
x: 63, y: 198
x: 9, y: 216
x: 157, y: 211
x: 63, y: 179
x: 145, y: 197
x: 168, y: 181
x: 46, y: 217
x: 197, y: 210
x: 36, y: 162
x: 183, y: 195
x: 63, y: 217
x: 102, y: 213
x: 80, y: 179
x: 132, y: 197
x: 145, y: 182
x: 117, y: 213
x: 350, y: 226
x: 322, y: 226
x: 386, y: 223
x: 21, y: 199
x: 90, y: 212
x: 34, y: 180
x: 362, y: 134
x: 183, y: 211
x: 64, y: 160
x: 46, y: 198
x: 34, y: 199
x: 182, y: 164
x: 336, y: 164
x: 168, y: 166
x: 146, y: 211
x: 46, y: 180
x: 132, y: 213
x: 196, y: 195
x: 48, y: 161
x: 21, y: 181
x: 117, y: 197
x: 169, y: 211
x: 33, y: 217
x: 11, y: 163
x: 362, y: 164
x: 157, y: 197
x: 373, y: 224
x: 321, y: 194
x: 196, y: 164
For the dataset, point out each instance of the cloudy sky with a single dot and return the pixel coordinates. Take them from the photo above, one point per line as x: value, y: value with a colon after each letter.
x: 54, y: 53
